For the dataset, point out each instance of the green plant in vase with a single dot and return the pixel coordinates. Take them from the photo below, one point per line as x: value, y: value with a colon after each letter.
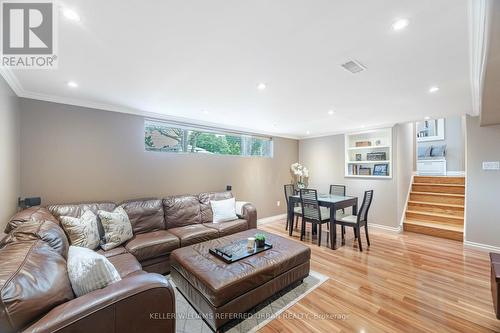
x: 260, y: 240
x: 300, y: 172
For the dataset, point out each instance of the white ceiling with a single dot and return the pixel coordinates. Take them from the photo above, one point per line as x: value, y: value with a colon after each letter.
x: 178, y: 58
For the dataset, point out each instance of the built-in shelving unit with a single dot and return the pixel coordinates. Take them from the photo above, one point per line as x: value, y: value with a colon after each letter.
x: 368, y: 154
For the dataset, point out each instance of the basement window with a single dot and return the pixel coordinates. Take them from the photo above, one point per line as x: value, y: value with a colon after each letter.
x: 174, y: 138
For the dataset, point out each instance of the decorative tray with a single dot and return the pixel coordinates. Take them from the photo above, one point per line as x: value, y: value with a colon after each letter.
x: 236, y: 251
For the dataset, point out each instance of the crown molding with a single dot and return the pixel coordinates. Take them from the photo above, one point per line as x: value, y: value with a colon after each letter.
x: 16, y: 86
x: 479, y: 39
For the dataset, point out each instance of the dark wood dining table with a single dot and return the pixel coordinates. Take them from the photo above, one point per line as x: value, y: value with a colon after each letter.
x: 334, y: 202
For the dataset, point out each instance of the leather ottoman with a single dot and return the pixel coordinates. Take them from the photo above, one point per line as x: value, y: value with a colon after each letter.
x: 221, y: 292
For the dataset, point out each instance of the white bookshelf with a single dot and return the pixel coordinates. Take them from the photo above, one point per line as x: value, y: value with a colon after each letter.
x: 380, y: 149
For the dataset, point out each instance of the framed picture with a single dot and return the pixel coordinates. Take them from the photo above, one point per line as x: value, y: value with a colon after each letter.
x: 358, y: 157
x: 365, y: 171
x: 430, y: 130
x: 381, y: 170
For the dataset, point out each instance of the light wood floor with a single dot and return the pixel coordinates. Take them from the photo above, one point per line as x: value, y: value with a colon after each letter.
x: 403, y: 283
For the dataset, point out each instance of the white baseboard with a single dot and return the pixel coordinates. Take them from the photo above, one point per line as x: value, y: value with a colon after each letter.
x: 384, y: 227
x: 481, y: 247
x: 270, y: 219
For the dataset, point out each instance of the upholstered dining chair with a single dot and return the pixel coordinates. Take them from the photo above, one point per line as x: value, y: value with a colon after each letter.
x: 312, y: 212
x: 340, y: 191
x: 297, y: 211
x: 359, y: 220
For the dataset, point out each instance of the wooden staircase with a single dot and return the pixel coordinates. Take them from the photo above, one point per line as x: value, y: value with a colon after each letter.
x: 436, y: 207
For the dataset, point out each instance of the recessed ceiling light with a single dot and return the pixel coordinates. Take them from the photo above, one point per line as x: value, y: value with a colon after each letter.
x: 400, y: 24
x: 205, y: 111
x: 261, y: 86
x: 363, y: 126
x: 331, y: 112
x: 433, y: 89
x: 72, y: 84
x: 307, y: 132
x: 71, y: 15
x: 427, y: 118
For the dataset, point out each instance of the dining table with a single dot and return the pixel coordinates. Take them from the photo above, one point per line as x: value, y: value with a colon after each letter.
x: 332, y: 201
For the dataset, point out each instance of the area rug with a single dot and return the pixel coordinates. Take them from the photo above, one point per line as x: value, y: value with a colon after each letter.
x: 188, y: 321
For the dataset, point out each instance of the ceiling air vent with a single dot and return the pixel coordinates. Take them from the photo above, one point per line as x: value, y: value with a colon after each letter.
x: 353, y: 67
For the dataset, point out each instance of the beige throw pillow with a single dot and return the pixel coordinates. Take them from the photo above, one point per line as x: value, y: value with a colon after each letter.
x: 82, y: 231
x: 117, y: 227
x: 89, y: 270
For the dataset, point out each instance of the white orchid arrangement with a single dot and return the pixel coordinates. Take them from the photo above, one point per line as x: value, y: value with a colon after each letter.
x: 301, y: 172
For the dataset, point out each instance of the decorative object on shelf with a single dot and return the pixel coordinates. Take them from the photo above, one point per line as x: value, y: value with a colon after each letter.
x: 300, y: 172
x: 430, y: 130
x: 365, y: 149
x: 378, y: 156
x: 260, y: 240
x: 363, y: 143
x: 363, y: 171
x: 381, y: 169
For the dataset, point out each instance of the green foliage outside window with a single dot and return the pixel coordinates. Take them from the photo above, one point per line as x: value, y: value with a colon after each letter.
x: 168, y: 138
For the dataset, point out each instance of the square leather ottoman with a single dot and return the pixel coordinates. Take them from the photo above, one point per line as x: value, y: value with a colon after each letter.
x: 221, y: 292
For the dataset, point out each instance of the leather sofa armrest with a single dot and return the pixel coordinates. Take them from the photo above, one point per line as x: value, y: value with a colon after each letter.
x: 249, y: 213
x: 142, y: 302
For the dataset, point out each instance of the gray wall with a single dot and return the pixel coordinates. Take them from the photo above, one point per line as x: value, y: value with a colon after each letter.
x: 405, y: 153
x: 454, y: 139
x: 483, y: 187
x: 73, y: 154
x: 9, y: 152
x: 325, y: 158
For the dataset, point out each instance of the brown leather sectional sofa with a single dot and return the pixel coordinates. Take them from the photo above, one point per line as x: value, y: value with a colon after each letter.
x: 35, y: 291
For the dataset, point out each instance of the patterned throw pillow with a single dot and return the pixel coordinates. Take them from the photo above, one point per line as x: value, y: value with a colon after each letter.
x: 89, y: 270
x: 117, y: 227
x: 82, y: 231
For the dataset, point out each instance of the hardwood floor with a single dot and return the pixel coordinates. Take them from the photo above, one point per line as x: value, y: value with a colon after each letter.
x: 403, y: 283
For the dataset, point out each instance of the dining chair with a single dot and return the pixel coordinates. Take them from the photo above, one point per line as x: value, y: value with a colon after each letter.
x: 312, y: 212
x: 297, y: 211
x: 359, y: 220
x: 340, y: 191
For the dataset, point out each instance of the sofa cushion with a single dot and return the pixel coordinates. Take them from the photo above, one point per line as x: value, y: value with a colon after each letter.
x: 192, y: 234
x: 48, y: 231
x: 125, y: 264
x: 228, y: 228
x: 181, y: 210
x: 77, y: 210
x: 117, y: 228
x: 89, y: 270
x: 205, y: 208
x: 145, y: 215
x: 152, y: 244
x: 33, y: 280
x: 82, y: 231
x: 113, y: 252
x: 37, y: 213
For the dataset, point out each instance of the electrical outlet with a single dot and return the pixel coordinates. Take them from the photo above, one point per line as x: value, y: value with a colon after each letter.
x: 278, y: 203
x: 491, y: 165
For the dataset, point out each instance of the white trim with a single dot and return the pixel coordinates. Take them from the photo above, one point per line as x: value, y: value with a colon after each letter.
x: 478, y: 39
x: 270, y: 219
x: 481, y: 247
x: 401, y: 221
x: 455, y: 173
x: 14, y: 83
x: 386, y: 228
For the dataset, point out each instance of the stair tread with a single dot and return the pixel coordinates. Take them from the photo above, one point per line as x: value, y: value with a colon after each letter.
x: 435, y: 214
x: 434, y: 225
x: 439, y: 194
x: 432, y: 184
x: 436, y: 204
